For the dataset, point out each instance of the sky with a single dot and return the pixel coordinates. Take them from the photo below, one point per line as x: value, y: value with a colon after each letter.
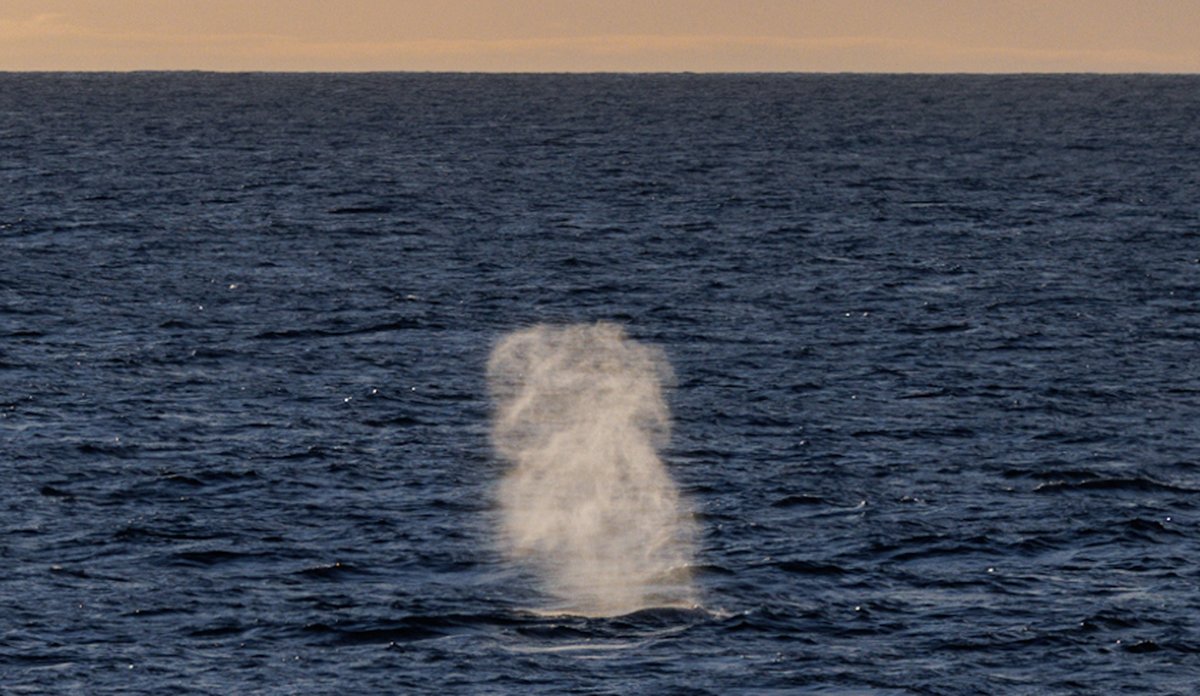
x: 603, y: 35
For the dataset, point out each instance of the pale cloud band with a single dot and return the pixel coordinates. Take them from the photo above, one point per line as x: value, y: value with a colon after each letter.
x: 55, y: 42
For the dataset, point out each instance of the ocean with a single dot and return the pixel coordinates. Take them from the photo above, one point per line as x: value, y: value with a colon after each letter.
x: 928, y: 344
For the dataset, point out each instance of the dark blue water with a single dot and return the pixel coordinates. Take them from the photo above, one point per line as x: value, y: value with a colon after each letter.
x: 935, y: 339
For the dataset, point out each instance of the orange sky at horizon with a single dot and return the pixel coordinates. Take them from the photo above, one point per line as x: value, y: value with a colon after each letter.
x: 613, y: 35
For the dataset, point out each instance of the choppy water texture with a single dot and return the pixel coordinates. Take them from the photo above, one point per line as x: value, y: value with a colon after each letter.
x: 934, y: 342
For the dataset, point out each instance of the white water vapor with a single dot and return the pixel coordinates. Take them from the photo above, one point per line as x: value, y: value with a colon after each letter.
x: 579, y: 416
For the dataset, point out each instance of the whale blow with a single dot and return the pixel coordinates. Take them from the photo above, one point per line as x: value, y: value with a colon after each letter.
x: 579, y: 416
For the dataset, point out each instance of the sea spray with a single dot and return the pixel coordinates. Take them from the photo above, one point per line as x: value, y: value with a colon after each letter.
x: 587, y: 503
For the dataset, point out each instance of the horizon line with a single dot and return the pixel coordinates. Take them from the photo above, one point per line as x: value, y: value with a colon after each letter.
x: 253, y: 71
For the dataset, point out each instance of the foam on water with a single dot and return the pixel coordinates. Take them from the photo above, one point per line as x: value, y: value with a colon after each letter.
x: 587, y: 503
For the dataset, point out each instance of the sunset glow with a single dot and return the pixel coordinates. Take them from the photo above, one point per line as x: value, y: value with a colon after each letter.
x: 616, y: 35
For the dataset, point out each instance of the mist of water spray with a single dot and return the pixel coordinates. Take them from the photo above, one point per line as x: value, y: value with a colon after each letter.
x: 579, y: 417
